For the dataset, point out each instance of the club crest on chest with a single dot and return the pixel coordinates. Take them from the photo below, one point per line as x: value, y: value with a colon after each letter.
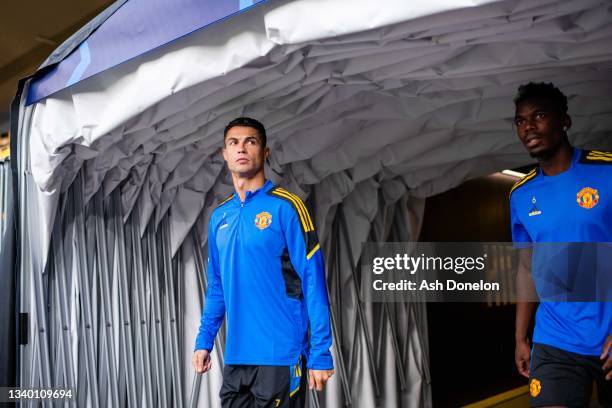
x: 587, y: 198
x: 263, y: 220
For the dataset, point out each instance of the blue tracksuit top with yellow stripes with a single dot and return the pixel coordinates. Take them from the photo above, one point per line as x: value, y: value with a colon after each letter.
x: 266, y: 273
x: 573, y: 206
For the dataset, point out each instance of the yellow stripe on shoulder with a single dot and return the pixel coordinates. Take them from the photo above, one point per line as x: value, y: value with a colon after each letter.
x: 5, y: 152
x: 525, y: 179
x: 599, y: 153
x: 296, y: 206
x: 602, y: 158
x: 299, y: 206
x: 302, y: 206
x: 596, y: 157
x: 225, y: 200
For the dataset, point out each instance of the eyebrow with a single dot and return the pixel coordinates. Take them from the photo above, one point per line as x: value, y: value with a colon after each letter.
x: 516, y: 115
x: 250, y: 137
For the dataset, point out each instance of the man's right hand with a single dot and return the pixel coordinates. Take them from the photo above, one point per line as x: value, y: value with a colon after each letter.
x: 201, y: 361
x: 522, y: 357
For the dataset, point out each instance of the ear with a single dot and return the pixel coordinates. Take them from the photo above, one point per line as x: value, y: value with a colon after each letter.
x: 266, y: 153
x: 224, y: 151
x: 567, y: 122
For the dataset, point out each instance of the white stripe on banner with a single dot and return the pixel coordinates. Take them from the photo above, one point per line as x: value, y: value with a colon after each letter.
x: 79, y: 70
x: 245, y: 3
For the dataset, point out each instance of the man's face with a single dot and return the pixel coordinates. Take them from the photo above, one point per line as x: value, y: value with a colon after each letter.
x: 540, y: 127
x: 244, y: 152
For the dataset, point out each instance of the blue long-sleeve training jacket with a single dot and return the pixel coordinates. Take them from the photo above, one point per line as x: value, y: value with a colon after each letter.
x: 266, y: 273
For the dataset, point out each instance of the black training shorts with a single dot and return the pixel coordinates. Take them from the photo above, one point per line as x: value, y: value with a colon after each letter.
x: 264, y: 386
x: 559, y: 377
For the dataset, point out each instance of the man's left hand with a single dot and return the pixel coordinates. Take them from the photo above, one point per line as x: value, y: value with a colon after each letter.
x: 606, y: 355
x: 318, y: 378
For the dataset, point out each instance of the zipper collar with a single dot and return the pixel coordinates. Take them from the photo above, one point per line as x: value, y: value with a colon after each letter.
x: 251, y: 195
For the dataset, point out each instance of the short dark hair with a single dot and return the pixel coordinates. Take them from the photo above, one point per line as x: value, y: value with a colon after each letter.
x: 249, y: 122
x: 541, y: 90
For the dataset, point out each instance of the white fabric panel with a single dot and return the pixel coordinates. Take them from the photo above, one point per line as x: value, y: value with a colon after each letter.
x: 209, y: 392
x: 328, y: 193
x: 334, y: 18
x: 137, y: 85
x: 353, y: 94
x: 369, y: 211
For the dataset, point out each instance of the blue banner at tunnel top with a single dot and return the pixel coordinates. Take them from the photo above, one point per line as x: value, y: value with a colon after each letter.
x: 138, y: 26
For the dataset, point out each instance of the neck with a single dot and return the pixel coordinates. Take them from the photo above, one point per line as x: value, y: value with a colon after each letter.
x: 558, y: 162
x: 244, y: 184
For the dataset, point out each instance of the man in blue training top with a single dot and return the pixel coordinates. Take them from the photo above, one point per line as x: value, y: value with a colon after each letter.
x: 266, y: 275
x: 567, y: 198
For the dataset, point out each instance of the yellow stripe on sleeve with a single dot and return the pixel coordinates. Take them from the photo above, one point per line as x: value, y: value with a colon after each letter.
x: 314, y: 250
x: 294, y: 391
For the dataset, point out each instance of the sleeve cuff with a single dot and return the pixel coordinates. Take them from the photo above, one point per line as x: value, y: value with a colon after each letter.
x: 203, y: 345
x: 323, y: 362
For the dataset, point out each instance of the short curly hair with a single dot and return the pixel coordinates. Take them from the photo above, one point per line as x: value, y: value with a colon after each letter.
x: 541, y: 90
